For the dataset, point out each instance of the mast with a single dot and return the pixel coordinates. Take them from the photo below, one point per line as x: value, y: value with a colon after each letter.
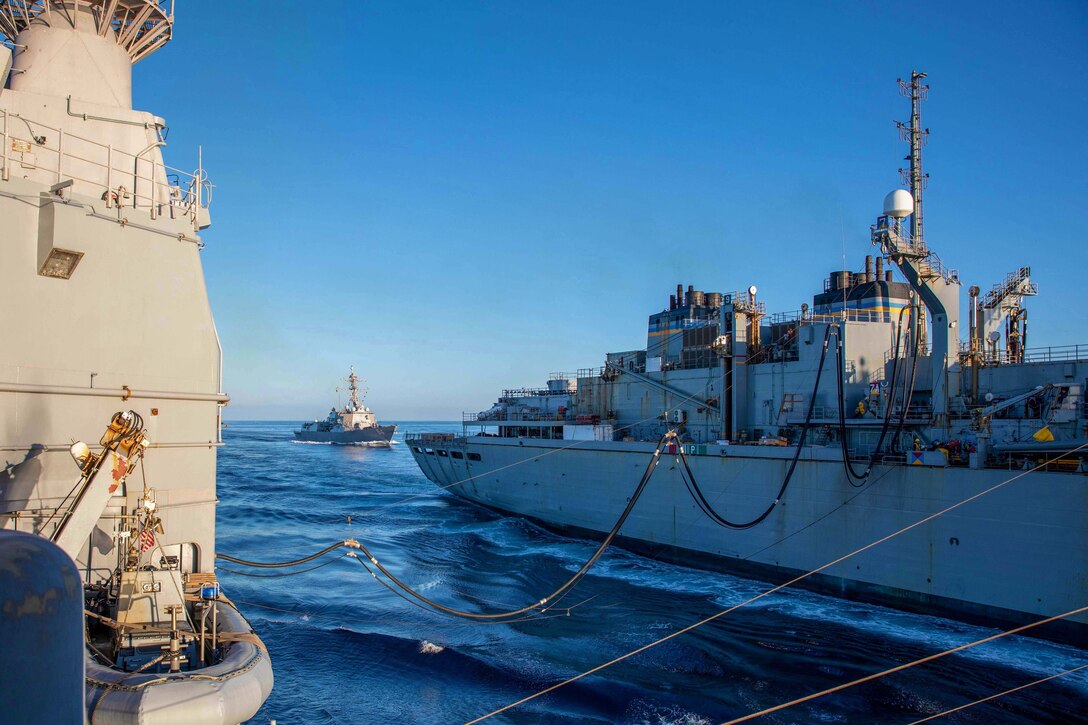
x: 353, y: 388
x: 913, y: 177
x: 936, y: 285
x: 916, y: 137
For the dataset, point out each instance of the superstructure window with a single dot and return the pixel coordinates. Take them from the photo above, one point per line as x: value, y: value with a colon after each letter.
x: 442, y: 453
x: 417, y: 449
x: 473, y: 456
x: 429, y: 451
x: 457, y: 454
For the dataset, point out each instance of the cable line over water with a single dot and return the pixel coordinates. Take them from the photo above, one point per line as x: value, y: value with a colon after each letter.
x: 900, y: 668
x: 1040, y: 681
x: 777, y: 588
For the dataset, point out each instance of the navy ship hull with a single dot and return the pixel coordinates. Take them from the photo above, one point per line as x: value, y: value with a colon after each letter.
x: 1013, y: 556
x: 379, y: 434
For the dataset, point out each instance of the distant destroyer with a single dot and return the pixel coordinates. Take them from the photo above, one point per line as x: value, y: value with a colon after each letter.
x: 810, y: 434
x: 354, y: 424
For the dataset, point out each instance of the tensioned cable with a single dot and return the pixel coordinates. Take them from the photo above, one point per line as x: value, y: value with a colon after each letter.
x: 288, y: 573
x: 774, y: 589
x: 1040, y: 681
x: 279, y: 564
x: 900, y: 668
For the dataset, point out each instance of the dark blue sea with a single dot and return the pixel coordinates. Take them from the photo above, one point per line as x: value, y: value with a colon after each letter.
x: 346, y: 650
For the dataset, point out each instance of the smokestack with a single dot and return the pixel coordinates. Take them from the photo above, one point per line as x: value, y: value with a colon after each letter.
x: 672, y: 302
x: 868, y: 268
x: 888, y: 276
x: 691, y: 291
x: 879, y: 268
x: 679, y: 295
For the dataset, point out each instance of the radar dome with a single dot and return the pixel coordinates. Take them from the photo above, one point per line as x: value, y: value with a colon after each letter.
x: 899, y: 204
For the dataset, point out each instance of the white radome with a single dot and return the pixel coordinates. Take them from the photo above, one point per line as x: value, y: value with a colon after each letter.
x: 899, y: 204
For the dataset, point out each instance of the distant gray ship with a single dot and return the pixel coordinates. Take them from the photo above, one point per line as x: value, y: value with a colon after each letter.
x: 354, y: 424
x: 808, y: 435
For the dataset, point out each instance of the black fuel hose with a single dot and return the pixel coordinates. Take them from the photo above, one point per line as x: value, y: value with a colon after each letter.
x: 700, y: 498
x: 542, y: 604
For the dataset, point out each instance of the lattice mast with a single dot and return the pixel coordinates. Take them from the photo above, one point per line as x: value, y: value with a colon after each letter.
x: 917, y: 137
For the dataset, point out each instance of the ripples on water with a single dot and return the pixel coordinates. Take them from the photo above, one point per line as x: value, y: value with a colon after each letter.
x: 346, y: 650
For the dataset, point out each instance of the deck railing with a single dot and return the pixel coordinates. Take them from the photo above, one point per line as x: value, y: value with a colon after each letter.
x: 120, y: 178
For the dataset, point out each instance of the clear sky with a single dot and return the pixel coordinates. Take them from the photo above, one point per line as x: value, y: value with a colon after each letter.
x: 457, y: 197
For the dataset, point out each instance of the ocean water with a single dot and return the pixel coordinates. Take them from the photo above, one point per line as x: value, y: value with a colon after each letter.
x: 347, y: 650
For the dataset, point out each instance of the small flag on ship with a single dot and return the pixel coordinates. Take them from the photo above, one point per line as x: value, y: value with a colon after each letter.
x: 147, y: 540
x: 1043, y: 434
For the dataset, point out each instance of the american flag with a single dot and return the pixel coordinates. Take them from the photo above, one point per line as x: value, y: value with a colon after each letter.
x: 147, y: 540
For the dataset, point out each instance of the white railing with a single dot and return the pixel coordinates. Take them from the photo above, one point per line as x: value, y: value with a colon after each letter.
x: 119, y: 178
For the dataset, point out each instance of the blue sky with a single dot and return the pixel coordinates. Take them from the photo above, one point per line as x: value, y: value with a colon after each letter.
x: 460, y: 197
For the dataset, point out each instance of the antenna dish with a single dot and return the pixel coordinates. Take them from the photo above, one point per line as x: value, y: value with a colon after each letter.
x: 752, y: 290
x: 899, y: 204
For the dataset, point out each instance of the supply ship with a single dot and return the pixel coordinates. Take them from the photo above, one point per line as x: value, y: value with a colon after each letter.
x: 354, y: 424
x: 810, y: 434
x: 108, y: 339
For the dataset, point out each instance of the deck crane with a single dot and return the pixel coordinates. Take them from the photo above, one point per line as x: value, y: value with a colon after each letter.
x: 1002, y: 307
x: 123, y: 445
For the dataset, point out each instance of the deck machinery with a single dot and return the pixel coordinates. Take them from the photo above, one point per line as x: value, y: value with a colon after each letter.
x: 107, y: 326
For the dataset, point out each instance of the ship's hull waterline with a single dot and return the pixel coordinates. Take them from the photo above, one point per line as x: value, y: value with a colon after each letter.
x: 1003, y: 559
x: 375, y: 435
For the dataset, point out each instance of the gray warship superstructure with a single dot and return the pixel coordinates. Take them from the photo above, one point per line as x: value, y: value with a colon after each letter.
x: 109, y: 338
x: 806, y: 436
x: 354, y: 424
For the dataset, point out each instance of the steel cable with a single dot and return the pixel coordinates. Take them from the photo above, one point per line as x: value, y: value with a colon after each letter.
x: 289, y: 573
x: 279, y: 564
x: 774, y: 589
x: 900, y: 668
x: 1011, y: 690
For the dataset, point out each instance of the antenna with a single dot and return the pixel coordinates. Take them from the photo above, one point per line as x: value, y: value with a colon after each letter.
x: 913, y: 134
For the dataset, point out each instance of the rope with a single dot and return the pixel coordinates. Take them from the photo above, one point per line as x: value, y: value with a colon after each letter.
x: 107, y: 689
x: 1000, y: 694
x: 772, y: 590
x: 899, y: 668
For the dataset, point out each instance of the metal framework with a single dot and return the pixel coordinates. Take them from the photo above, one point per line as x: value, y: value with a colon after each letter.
x: 139, y: 26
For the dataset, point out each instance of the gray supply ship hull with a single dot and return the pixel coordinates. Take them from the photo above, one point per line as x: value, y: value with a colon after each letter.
x: 817, y: 433
x: 1013, y: 556
x: 381, y: 434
